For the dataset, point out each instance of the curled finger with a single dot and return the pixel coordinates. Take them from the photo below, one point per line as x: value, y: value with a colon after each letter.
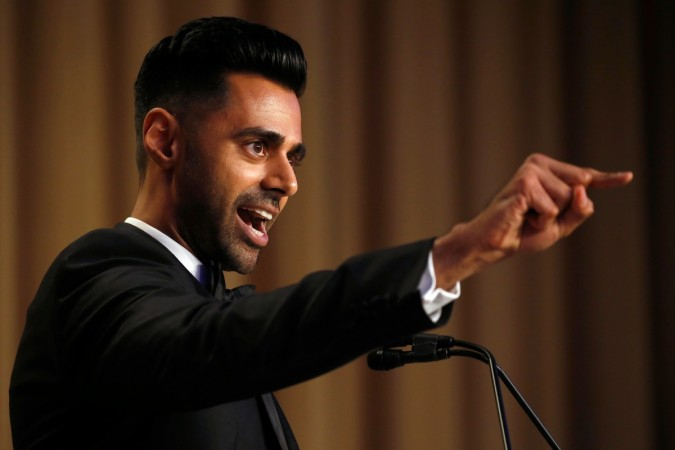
x: 580, y: 209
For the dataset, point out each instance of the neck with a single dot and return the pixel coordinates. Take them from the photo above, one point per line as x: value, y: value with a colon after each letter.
x: 154, y: 207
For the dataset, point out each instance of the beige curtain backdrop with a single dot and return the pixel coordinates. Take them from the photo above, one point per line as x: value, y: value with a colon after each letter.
x: 416, y: 113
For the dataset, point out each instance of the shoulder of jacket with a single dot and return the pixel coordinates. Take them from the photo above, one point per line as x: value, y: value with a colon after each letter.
x: 120, y: 241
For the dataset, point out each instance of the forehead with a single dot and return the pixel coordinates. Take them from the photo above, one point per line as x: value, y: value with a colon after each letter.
x: 255, y: 101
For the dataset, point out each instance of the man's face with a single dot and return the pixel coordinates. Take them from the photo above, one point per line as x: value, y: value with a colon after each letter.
x: 238, y: 171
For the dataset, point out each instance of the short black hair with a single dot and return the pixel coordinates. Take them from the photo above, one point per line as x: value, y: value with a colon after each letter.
x: 192, y: 65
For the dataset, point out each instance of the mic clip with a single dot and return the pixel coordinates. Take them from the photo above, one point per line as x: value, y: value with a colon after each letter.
x: 425, y: 348
x: 431, y: 347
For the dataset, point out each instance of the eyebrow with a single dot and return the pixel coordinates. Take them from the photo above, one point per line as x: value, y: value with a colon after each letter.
x: 274, y: 139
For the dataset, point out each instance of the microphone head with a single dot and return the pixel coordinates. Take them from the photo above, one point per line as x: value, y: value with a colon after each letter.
x: 385, y: 359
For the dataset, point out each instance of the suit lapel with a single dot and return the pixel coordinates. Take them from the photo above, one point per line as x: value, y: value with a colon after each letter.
x: 273, y: 414
x: 270, y: 408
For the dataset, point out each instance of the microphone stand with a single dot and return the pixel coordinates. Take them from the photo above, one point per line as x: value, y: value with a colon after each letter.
x: 425, y: 348
x: 494, y: 372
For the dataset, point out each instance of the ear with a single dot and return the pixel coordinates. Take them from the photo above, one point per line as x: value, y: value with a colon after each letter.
x: 160, y: 137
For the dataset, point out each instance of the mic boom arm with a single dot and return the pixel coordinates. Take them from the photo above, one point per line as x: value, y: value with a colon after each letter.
x: 430, y: 347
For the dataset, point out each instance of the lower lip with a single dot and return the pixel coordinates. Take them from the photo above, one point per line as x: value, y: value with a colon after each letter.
x: 253, y: 236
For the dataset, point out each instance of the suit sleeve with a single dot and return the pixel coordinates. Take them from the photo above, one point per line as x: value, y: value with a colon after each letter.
x: 142, y: 330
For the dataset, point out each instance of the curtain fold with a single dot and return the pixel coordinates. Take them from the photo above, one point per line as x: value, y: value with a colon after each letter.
x: 416, y: 113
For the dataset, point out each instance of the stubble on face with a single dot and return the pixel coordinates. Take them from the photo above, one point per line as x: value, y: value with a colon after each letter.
x: 207, y: 218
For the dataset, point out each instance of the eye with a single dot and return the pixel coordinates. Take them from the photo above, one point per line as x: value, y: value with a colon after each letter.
x: 295, y: 159
x: 296, y: 156
x: 256, y: 148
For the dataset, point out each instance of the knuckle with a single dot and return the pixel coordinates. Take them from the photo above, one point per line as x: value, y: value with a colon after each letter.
x: 527, y: 180
x: 537, y: 159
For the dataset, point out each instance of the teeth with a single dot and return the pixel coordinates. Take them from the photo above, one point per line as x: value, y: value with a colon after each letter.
x: 264, y: 214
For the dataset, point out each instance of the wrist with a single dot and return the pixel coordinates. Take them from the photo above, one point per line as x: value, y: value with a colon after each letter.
x: 458, y: 255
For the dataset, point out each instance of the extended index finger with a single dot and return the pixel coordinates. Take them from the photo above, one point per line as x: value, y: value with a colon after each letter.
x: 609, y: 179
x: 588, y: 177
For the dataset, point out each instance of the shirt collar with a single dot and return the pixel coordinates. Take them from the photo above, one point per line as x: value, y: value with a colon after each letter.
x: 187, y: 259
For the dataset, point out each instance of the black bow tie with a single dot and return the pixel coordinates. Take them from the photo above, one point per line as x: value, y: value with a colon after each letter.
x: 239, y: 291
x: 217, y: 286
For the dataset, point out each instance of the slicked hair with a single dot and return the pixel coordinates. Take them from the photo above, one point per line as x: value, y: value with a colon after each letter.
x: 190, y: 67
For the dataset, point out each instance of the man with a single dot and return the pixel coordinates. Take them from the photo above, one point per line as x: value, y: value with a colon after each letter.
x: 132, y: 340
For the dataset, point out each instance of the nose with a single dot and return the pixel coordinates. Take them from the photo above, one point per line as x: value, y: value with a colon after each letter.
x: 280, y: 176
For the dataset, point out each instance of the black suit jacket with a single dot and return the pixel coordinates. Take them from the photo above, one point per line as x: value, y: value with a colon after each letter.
x: 124, y: 349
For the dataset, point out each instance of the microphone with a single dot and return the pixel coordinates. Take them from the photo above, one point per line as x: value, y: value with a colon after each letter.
x: 433, y: 347
x: 425, y: 348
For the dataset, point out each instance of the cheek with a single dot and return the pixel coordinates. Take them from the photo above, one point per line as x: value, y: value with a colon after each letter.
x: 238, y: 178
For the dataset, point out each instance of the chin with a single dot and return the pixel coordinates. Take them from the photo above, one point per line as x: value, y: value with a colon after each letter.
x: 244, y: 269
x: 243, y: 261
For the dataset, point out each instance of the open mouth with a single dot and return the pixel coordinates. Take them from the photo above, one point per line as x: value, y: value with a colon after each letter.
x: 255, y: 222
